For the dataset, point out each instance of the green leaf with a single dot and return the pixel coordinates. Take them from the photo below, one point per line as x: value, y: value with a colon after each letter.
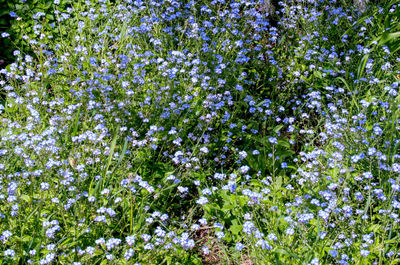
x: 284, y: 143
x: 278, y: 128
x: 26, y: 198
x: 361, y: 65
x: 104, y: 262
x: 76, y: 122
x: 235, y: 229
x: 375, y: 228
x: 286, y: 253
x: 112, y: 148
x: 318, y: 74
x: 121, y: 157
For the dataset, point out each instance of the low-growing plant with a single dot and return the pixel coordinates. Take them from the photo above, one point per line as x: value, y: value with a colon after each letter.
x: 209, y: 132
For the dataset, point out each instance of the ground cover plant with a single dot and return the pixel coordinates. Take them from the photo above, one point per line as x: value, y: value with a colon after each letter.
x: 201, y: 132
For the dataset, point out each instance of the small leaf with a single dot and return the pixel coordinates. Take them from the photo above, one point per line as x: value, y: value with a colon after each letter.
x: 25, y: 198
x: 278, y: 128
x: 235, y: 229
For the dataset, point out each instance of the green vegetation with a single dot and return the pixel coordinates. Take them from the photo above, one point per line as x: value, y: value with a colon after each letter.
x: 208, y: 132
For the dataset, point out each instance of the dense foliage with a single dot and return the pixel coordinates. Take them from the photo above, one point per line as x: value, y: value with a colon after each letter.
x: 208, y: 132
x: 19, y: 26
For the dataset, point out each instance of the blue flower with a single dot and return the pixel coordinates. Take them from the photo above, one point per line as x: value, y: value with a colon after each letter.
x: 239, y: 246
x: 273, y: 140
